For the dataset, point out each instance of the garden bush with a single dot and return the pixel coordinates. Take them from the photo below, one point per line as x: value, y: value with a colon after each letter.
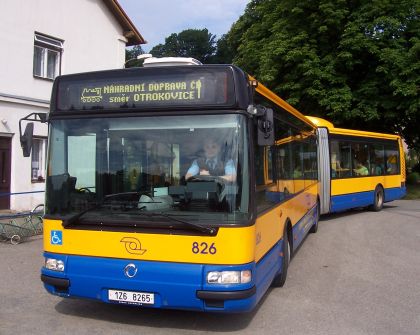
x: 413, y: 178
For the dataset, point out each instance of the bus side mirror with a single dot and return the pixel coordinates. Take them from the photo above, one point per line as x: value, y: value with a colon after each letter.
x: 26, y: 139
x: 42, y: 117
x: 265, y: 125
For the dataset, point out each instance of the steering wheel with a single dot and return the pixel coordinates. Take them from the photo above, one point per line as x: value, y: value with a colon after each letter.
x: 85, y: 190
x: 198, y: 178
x: 207, y: 178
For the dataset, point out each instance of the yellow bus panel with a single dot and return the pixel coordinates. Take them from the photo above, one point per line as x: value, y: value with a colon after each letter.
x: 230, y: 246
x: 364, y: 184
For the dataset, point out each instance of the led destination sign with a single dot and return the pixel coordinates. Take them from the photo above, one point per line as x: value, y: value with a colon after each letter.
x: 193, y: 88
x: 141, y: 92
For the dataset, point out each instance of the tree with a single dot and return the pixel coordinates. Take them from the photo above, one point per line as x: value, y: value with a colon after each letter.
x: 196, y: 43
x: 224, y: 52
x: 355, y: 63
x: 131, y: 56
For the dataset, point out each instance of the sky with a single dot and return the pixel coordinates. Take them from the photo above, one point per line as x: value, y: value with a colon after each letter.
x: 157, y: 19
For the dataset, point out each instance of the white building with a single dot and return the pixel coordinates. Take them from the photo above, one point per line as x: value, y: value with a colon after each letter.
x: 41, y: 39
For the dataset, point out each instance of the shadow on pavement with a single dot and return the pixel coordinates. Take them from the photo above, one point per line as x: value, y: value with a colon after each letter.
x: 351, y: 212
x: 157, y: 318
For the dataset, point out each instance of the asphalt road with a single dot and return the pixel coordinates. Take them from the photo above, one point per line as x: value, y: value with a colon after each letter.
x: 360, y: 274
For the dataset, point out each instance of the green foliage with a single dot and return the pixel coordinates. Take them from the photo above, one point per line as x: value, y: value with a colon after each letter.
x: 131, y: 56
x: 412, y: 160
x: 196, y: 43
x: 224, y: 52
x: 413, y: 192
x: 355, y: 63
x: 413, y: 178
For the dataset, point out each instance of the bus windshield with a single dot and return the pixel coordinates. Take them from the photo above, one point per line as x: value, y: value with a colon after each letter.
x: 145, y: 169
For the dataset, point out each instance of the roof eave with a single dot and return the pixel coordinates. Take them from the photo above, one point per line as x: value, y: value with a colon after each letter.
x: 130, y: 31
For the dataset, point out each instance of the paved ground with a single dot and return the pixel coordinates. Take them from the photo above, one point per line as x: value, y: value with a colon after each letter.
x: 360, y: 274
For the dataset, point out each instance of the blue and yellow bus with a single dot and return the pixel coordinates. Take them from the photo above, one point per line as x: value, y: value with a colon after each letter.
x: 358, y: 168
x: 132, y: 215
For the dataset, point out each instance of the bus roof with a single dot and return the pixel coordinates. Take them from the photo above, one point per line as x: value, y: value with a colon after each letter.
x: 319, y: 122
x: 282, y: 103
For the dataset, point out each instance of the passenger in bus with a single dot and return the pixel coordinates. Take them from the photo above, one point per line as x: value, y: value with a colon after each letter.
x: 297, y: 173
x: 212, y: 164
x: 335, y: 166
x: 391, y: 165
x: 378, y: 167
x: 361, y: 170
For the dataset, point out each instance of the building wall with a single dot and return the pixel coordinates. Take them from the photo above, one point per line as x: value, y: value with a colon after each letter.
x: 30, y: 193
x: 92, y: 41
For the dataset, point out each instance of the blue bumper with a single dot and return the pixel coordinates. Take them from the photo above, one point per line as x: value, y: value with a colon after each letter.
x: 174, y: 285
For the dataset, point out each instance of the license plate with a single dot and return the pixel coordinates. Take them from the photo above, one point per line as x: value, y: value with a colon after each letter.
x: 129, y: 297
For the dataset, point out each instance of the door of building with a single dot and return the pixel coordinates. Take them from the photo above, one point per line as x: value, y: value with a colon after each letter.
x: 5, y: 167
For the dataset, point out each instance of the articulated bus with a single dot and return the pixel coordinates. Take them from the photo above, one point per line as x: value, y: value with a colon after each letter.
x: 358, y: 168
x: 131, y: 216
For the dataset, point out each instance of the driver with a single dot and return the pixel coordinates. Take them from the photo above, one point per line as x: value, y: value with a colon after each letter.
x: 211, y: 164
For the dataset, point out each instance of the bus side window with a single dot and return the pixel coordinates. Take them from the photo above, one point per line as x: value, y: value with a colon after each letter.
x: 360, y: 155
x: 392, y: 158
x: 259, y: 165
x: 377, y: 159
x: 340, y: 159
x: 266, y: 196
x: 335, y: 154
x: 297, y: 165
x: 310, y: 162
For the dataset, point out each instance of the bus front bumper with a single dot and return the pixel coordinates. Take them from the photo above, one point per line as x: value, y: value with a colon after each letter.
x: 172, y: 285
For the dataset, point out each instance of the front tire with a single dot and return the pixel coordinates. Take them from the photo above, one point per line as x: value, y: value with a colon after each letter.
x: 280, y: 278
x: 378, y: 200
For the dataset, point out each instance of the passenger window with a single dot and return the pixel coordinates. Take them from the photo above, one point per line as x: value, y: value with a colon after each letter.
x: 392, y: 159
x: 360, y: 153
x: 285, y: 180
x: 297, y: 166
x: 309, y: 162
x: 270, y: 160
x: 266, y: 195
x: 340, y: 159
x: 377, y: 159
x: 259, y: 165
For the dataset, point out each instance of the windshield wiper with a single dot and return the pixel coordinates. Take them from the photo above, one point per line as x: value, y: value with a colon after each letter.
x: 72, y: 219
x: 206, y: 230
x: 195, y: 226
x: 105, y: 200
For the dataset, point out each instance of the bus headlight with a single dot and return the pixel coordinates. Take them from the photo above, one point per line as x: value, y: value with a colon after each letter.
x: 54, y: 264
x: 229, y: 277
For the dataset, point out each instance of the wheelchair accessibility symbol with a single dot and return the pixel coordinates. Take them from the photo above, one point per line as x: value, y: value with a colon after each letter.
x: 56, y: 237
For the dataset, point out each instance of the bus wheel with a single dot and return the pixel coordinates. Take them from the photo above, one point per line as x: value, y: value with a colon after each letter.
x: 280, y: 278
x: 378, y: 201
x: 314, y: 227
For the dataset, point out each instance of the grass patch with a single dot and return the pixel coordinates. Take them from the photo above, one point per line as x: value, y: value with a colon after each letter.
x: 413, y: 192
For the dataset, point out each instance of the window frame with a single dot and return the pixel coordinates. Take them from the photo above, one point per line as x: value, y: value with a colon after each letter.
x: 47, y: 45
x: 42, y: 158
x: 297, y: 132
x: 370, y: 142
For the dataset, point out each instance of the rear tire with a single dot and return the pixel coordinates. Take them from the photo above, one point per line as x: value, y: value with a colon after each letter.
x: 378, y: 200
x: 280, y: 278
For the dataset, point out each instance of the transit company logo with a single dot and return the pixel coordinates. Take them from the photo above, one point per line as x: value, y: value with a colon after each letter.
x: 91, y: 95
x: 133, y: 245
